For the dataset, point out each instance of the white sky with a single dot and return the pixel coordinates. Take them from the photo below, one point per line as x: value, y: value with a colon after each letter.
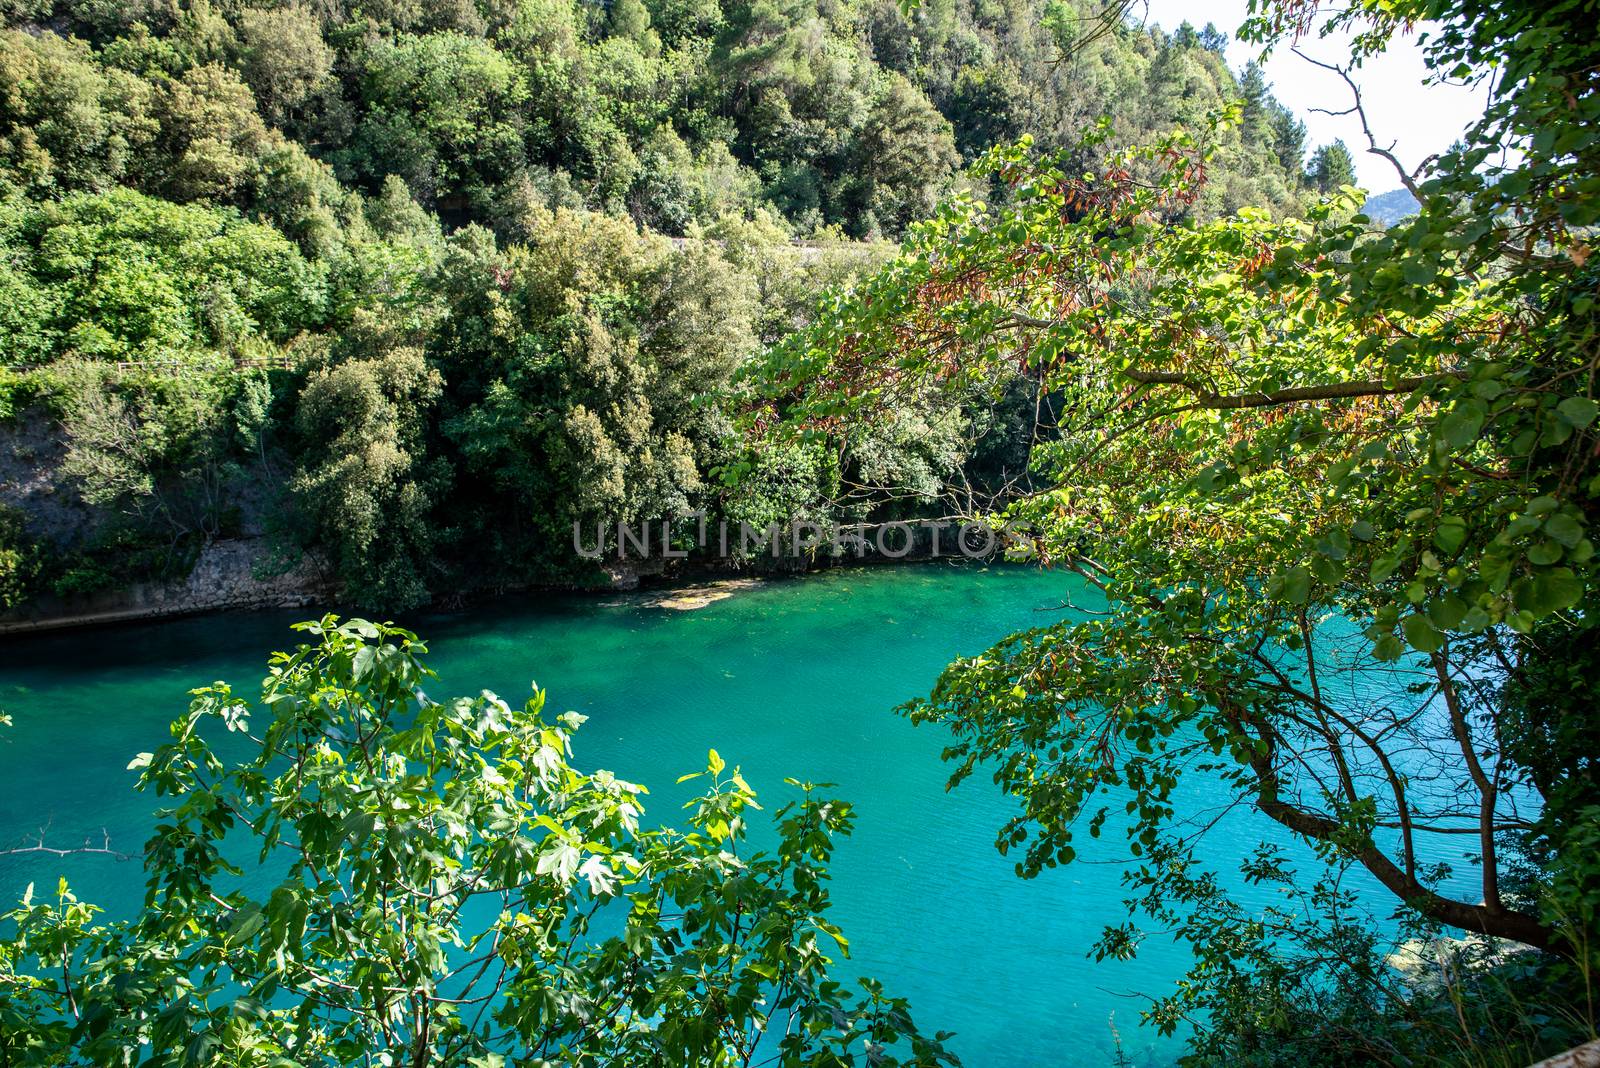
x: 1420, y: 119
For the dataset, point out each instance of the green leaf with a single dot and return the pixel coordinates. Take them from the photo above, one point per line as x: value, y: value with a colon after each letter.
x: 361, y: 663
x: 1462, y: 424
x: 1384, y: 566
x: 1388, y: 648
x: 1578, y: 412
x: 244, y: 924
x: 1544, y: 554
x: 1447, y: 611
x: 1495, y: 572
x: 1548, y: 591
x: 1450, y: 534
x: 1294, y: 585
x: 1565, y: 529
x: 1421, y: 634
x: 1419, y: 272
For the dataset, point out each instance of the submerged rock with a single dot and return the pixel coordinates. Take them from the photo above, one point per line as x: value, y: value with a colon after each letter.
x: 692, y: 597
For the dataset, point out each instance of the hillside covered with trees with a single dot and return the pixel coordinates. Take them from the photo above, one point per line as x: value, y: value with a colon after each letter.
x: 375, y: 283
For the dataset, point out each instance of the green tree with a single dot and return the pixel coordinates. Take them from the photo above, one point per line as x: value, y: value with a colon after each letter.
x: 124, y: 276
x: 901, y: 158
x: 210, y: 137
x: 283, y: 59
x: 19, y: 560
x: 1303, y: 461
x: 1331, y: 168
x: 163, y: 460
x: 365, y: 485
x: 66, y: 124
x: 445, y: 112
x: 586, y: 371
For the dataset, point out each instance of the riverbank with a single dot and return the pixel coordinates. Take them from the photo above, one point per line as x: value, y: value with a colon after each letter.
x: 236, y: 574
x: 229, y: 575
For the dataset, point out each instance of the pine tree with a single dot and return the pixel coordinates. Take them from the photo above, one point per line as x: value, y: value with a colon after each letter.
x: 1332, y: 167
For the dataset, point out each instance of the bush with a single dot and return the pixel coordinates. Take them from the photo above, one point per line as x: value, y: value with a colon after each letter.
x: 446, y: 889
x: 19, y: 560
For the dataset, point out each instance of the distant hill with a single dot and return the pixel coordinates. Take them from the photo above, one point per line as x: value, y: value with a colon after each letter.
x: 1389, y: 208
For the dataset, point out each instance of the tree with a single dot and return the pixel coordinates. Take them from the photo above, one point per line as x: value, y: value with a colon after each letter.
x: 587, y: 373
x: 65, y: 124
x: 154, y: 452
x: 160, y: 458
x: 124, y: 276
x: 902, y: 157
x: 1330, y: 485
x: 203, y: 185
x: 444, y: 887
x: 365, y: 485
x: 19, y: 560
x: 444, y: 111
x: 480, y: 106
x: 283, y: 59
x: 210, y: 136
x: 1331, y: 168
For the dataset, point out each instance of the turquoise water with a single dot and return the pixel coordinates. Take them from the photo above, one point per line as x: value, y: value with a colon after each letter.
x: 793, y: 678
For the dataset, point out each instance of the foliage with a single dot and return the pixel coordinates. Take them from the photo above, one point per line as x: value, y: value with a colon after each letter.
x: 185, y: 190
x: 1334, y: 485
x: 284, y: 60
x: 159, y: 450
x: 1331, y: 168
x: 122, y: 276
x: 1303, y: 977
x: 68, y: 123
x: 19, y: 560
x: 365, y: 488
x: 114, y: 556
x: 446, y: 108
x: 441, y: 886
x: 586, y: 371
x: 853, y: 115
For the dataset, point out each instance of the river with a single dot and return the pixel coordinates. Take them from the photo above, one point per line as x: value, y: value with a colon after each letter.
x: 793, y: 678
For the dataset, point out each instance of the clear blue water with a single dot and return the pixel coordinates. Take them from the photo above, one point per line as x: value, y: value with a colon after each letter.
x: 793, y: 678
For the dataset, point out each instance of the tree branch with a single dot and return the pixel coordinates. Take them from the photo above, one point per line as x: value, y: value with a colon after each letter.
x: 104, y: 848
x: 1207, y: 398
x: 1496, y: 923
x: 1407, y: 179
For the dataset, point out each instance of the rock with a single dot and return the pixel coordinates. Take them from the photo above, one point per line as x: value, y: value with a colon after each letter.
x: 1584, y: 1056
x: 690, y: 598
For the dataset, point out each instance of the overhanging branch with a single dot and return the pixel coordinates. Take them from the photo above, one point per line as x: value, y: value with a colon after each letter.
x: 1205, y: 397
x: 1494, y: 922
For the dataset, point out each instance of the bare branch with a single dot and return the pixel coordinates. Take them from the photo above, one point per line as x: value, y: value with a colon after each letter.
x: 1407, y: 179
x: 38, y: 846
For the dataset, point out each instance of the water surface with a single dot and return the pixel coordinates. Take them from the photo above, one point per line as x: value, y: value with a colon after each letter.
x: 794, y: 678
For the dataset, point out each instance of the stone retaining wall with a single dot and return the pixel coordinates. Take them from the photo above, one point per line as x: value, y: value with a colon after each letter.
x: 226, y: 576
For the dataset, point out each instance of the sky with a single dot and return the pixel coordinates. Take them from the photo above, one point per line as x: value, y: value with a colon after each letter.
x: 1419, y: 119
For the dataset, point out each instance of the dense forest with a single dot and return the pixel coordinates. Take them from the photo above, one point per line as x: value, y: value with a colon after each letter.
x: 390, y: 288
